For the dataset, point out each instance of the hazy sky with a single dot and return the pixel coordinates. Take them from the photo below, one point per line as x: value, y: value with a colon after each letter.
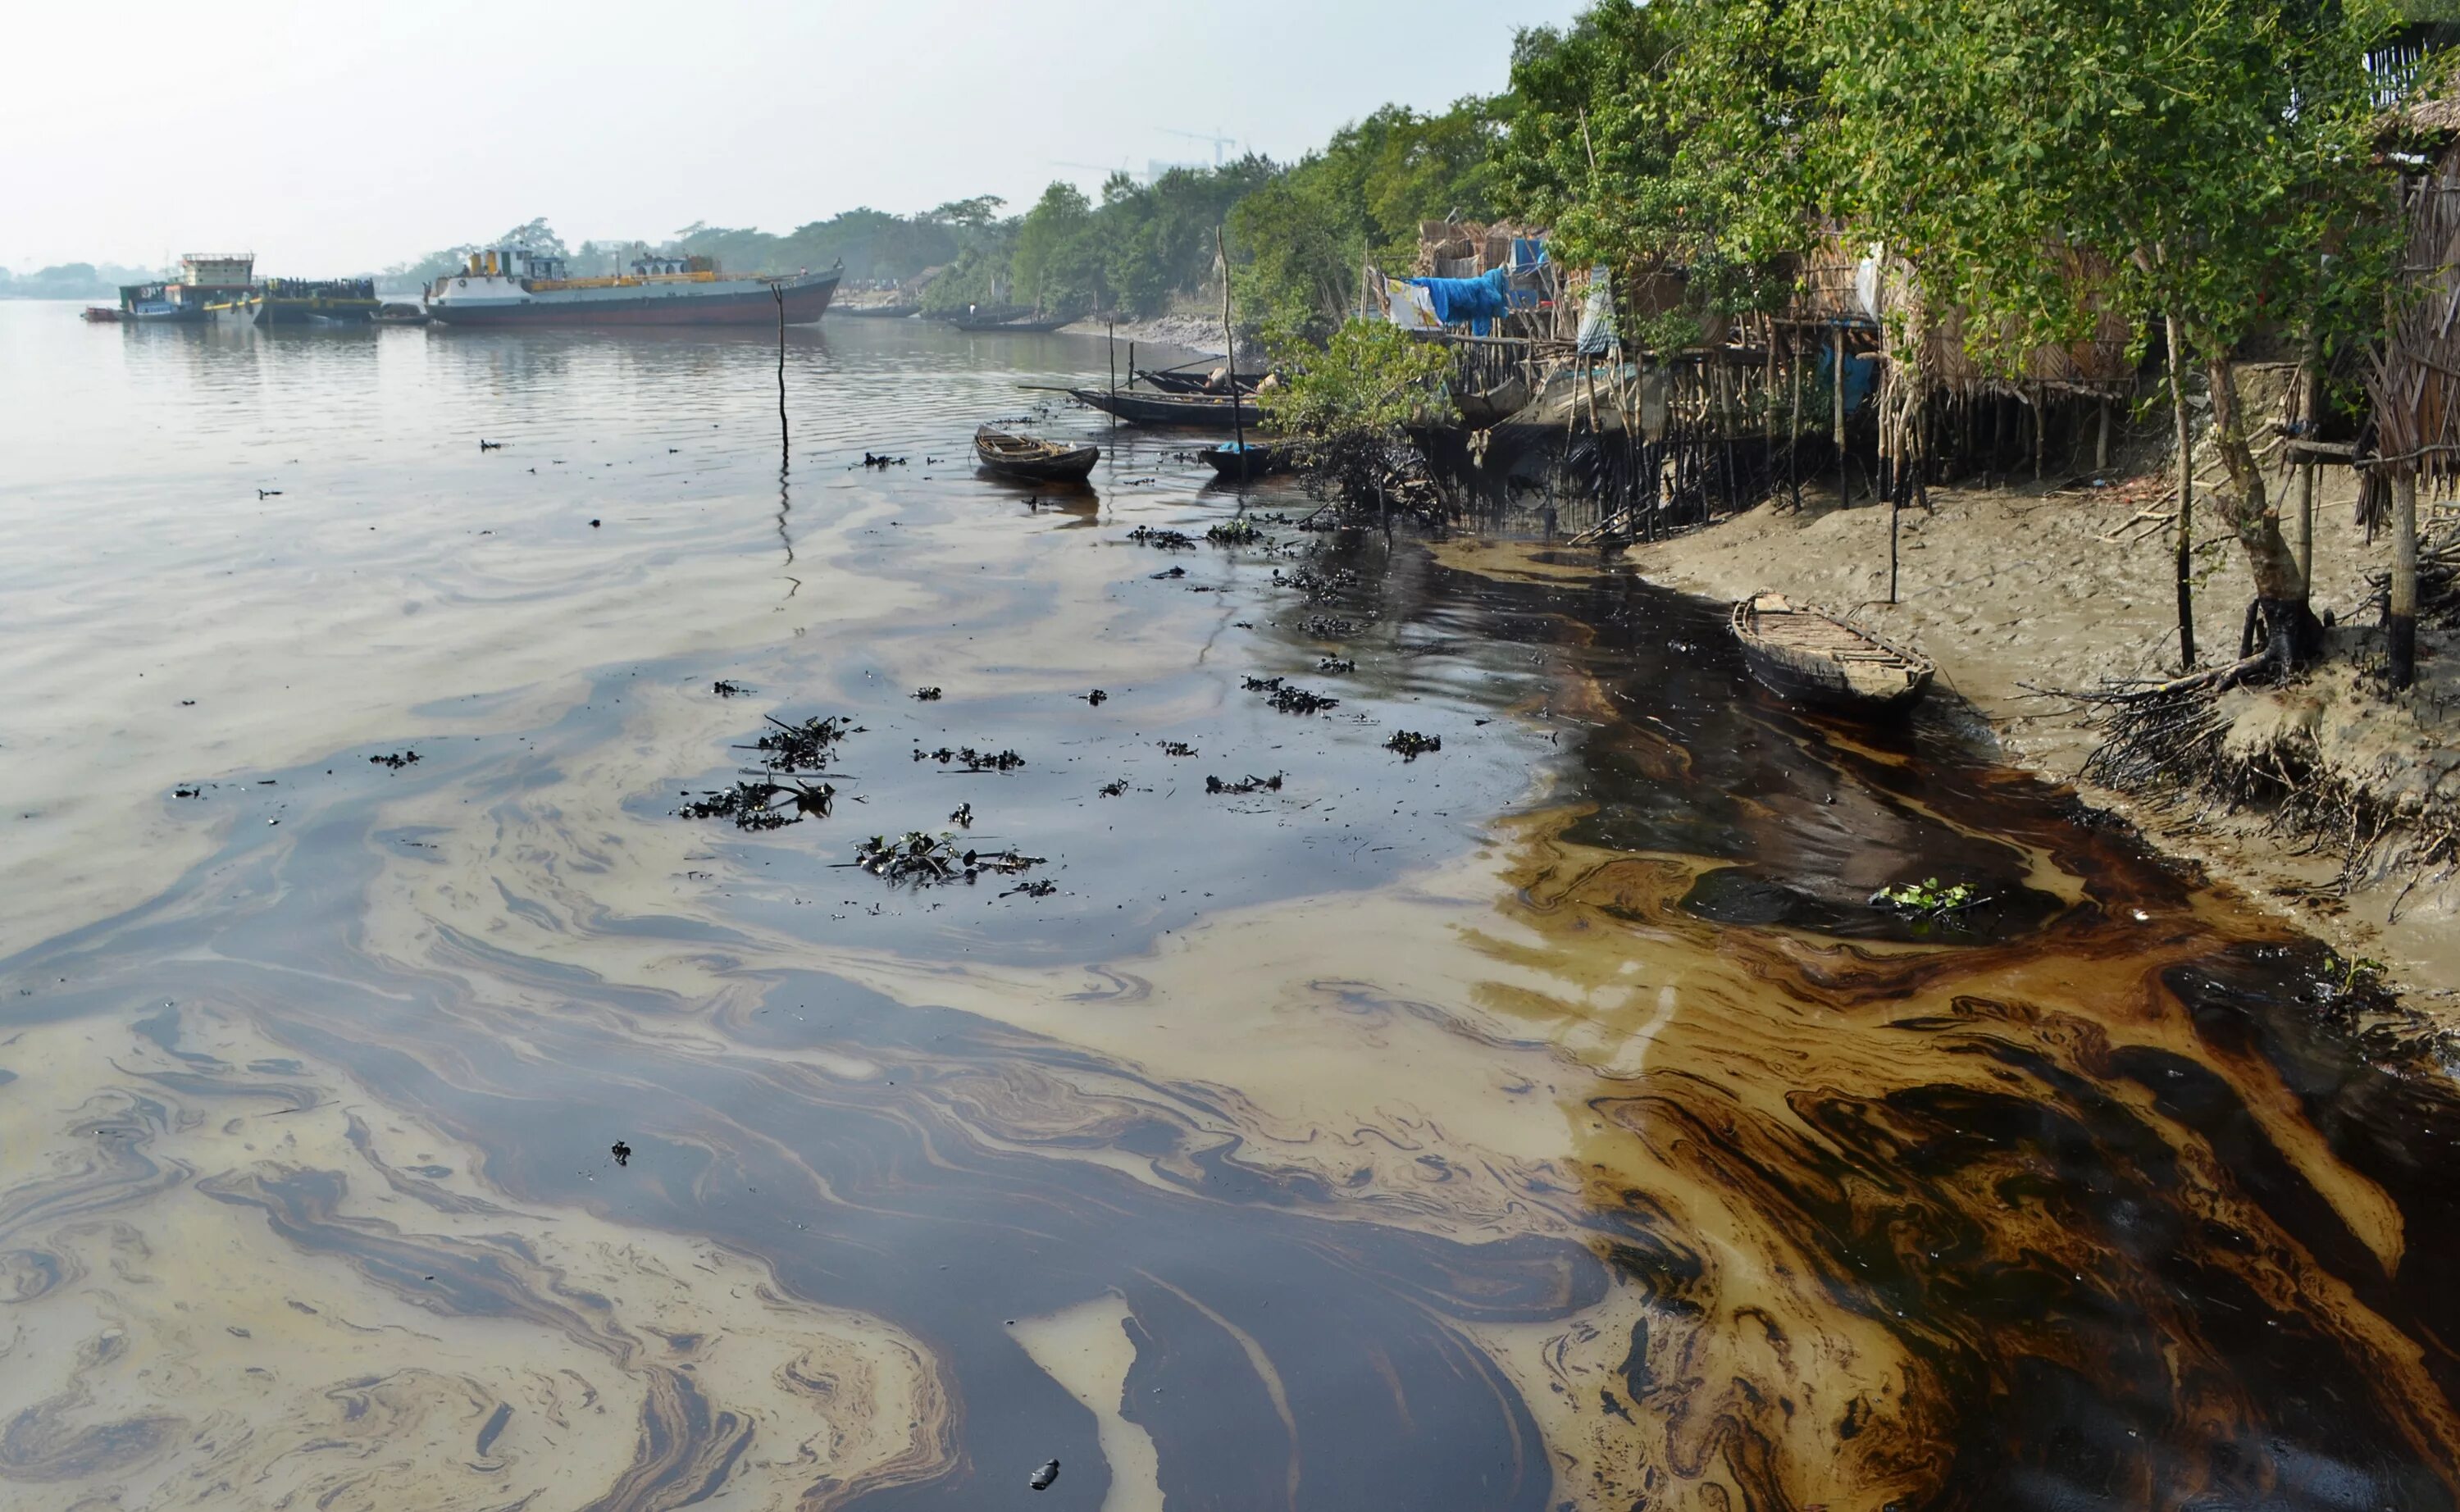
x: 332, y: 138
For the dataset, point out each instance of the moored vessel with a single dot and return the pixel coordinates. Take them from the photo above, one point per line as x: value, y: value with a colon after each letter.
x: 512, y: 286
x: 313, y: 302
x: 1808, y: 656
x: 208, y: 281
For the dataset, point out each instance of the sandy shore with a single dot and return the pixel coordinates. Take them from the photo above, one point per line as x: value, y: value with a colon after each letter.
x: 2022, y: 593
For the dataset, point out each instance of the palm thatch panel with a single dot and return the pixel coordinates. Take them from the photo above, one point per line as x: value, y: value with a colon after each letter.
x: 2411, y: 384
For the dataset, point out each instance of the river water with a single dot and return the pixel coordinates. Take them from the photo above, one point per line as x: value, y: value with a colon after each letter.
x: 1544, y: 1121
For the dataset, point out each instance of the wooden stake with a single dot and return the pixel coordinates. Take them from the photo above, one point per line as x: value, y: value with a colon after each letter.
x: 2101, y: 442
x: 1114, y: 375
x: 2186, y: 505
x: 2306, y: 527
x: 2402, y: 623
x: 1230, y: 359
x: 1844, y: 482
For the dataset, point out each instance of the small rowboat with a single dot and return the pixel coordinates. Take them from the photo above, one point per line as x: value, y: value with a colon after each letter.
x: 1033, y: 459
x: 1246, y: 463
x: 101, y: 314
x: 1807, y: 656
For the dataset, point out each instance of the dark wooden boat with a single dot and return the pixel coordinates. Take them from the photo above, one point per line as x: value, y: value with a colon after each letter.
x: 1807, y: 656
x: 1033, y: 458
x: 881, y: 312
x: 1043, y: 322
x: 1188, y: 380
x: 1143, y: 407
x: 1246, y: 463
x: 100, y: 314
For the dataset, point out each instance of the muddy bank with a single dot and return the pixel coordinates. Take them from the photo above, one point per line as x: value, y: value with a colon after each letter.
x: 2023, y: 594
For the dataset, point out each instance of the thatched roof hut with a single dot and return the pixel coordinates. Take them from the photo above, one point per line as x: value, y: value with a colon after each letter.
x: 1864, y: 288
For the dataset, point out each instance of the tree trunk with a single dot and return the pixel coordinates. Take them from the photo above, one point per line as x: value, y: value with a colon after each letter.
x: 2281, y: 603
x: 2185, y: 502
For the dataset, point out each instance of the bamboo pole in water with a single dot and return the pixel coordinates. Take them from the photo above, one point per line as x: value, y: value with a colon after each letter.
x: 1230, y: 361
x: 780, y: 292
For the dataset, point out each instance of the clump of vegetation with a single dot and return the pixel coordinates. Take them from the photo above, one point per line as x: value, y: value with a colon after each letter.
x: 396, y: 760
x: 1927, y: 899
x: 1239, y: 531
x: 1335, y: 665
x: 1162, y: 540
x: 1328, y: 627
x: 754, y: 805
x: 1175, y: 748
x: 1114, y: 788
x: 1250, y: 783
x: 926, y: 696
x: 925, y: 860
x: 962, y: 817
x: 1316, y: 588
x: 972, y: 759
x: 1357, y: 401
x: 1412, y: 745
x: 804, y: 747
x: 1290, y: 698
x: 726, y: 690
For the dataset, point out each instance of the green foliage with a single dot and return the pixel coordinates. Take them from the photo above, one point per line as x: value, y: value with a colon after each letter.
x: 1651, y: 138
x: 1369, y: 379
x: 1298, y: 241
x: 1927, y: 899
x: 1057, y: 265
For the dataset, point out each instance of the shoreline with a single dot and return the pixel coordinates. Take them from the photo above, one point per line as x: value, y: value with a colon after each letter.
x: 2023, y: 595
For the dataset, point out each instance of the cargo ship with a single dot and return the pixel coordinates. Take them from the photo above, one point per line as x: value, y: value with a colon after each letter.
x: 312, y: 302
x: 208, y: 281
x: 512, y: 286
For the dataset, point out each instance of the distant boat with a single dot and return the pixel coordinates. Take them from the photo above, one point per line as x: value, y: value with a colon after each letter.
x: 513, y: 286
x: 1811, y: 657
x: 1248, y: 462
x: 400, y: 316
x: 100, y: 314
x: 1036, y: 323
x: 1136, y: 407
x: 1033, y: 458
x: 881, y: 312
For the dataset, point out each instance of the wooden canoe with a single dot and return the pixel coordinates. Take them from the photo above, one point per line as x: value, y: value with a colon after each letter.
x: 1254, y: 460
x: 1807, y: 656
x: 1033, y: 458
x: 1138, y: 407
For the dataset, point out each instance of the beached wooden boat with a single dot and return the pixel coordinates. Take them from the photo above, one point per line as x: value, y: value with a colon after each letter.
x: 1807, y: 656
x: 1142, y: 407
x: 1247, y: 463
x: 1033, y: 458
x: 1043, y: 322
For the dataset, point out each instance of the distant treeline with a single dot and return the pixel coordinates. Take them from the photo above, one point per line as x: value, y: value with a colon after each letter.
x: 73, y: 281
x: 1297, y: 232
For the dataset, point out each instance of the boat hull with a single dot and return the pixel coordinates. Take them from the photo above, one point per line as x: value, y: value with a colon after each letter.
x: 1212, y: 412
x: 807, y: 299
x: 1053, y: 463
x: 1858, y: 674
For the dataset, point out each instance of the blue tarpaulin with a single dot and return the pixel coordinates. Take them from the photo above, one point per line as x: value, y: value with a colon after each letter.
x: 1460, y: 300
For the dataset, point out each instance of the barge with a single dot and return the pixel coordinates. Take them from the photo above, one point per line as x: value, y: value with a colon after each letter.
x: 513, y: 286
